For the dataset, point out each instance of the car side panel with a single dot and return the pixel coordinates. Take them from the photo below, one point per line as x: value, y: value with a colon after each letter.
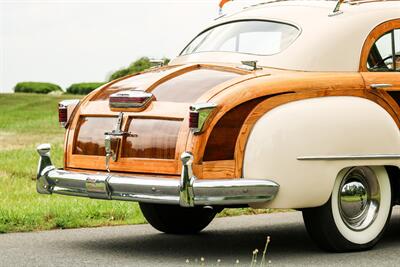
x: 317, y: 127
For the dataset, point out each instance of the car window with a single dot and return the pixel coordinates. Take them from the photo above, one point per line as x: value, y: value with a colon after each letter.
x: 250, y: 37
x: 385, y: 53
x: 381, y: 55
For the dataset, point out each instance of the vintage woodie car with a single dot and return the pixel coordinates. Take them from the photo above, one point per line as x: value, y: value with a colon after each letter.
x: 285, y: 104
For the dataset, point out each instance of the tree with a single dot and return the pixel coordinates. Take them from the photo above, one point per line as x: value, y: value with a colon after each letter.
x: 139, y: 65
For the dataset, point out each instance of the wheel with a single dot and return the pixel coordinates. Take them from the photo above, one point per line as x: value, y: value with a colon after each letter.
x: 357, y: 212
x: 172, y: 219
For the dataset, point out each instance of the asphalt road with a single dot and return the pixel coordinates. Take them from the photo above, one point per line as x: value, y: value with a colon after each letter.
x: 226, y: 239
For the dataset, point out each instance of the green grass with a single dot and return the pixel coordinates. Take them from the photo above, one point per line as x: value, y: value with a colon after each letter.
x: 27, y: 120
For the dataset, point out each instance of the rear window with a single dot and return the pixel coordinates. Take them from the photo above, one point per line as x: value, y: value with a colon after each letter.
x: 250, y: 37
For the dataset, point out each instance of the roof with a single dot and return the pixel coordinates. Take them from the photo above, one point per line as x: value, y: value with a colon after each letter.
x: 326, y: 43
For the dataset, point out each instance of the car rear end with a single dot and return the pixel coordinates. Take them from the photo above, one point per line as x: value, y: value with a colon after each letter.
x: 130, y: 140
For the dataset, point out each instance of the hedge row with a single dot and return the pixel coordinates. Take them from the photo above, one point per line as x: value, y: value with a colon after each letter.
x: 45, y: 88
x: 83, y: 88
x: 36, y: 87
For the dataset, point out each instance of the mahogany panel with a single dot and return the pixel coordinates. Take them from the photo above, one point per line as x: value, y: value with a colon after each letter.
x: 156, y: 138
x: 105, y: 94
x: 222, y: 141
x: 139, y: 81
x: 90, y: 135
x: 191, y: 85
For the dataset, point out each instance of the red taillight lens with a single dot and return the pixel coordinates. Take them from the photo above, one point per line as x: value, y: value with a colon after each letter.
x: 193, y: 119
x: 62, y: 115
x: 65, y: 110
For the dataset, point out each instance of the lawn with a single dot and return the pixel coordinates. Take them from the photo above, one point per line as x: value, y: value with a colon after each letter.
x: 27, y: 120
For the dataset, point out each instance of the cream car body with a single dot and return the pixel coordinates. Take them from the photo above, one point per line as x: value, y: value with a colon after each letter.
x: 306, y: 143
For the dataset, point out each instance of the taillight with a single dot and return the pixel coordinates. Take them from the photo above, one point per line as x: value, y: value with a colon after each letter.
x: 199, y: 114
x: 62, y: 115
x: 130, y: 99
x: 193, y: 119
x: 65, y: 110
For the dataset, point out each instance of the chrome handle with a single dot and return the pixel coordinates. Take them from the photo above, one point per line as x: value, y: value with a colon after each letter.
x: 109, y: 153
x: 381, y: 85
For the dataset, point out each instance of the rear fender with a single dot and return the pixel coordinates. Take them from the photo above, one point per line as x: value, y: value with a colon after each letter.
x: 303, y: 145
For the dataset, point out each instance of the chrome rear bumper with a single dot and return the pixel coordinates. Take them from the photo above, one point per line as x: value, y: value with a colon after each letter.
x: 186, y: 191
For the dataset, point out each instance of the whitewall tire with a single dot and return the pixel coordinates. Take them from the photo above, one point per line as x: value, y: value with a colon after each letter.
x: 357, y: 212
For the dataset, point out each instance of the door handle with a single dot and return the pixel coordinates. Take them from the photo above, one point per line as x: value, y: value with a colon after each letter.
x: 381, y: 85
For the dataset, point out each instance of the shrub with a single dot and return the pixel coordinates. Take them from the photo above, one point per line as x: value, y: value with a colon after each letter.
x: 36, y: 87
x: 139, y: 65
x: 83, y: 88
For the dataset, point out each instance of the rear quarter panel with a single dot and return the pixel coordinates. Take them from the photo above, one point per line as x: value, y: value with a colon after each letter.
x: 323, y: 126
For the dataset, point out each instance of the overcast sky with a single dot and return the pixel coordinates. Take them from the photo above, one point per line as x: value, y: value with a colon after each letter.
x: 66, y: 42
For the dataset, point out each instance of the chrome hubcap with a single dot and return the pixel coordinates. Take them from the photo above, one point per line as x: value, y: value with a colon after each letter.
x: 359, y: 198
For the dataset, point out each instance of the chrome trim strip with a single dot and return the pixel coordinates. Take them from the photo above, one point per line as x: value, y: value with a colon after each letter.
x: 351, y: 157
x: 187, y: 192
x: 381, y: 85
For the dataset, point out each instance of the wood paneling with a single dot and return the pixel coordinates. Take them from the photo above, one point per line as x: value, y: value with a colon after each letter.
x: 220, y: 169
x: 188, y: 87
x: 156, y: 110
x: 155, y: 138
x: 90, y: 135
x: 263, y: 86
x: 392, y: 78
x: 222, y: 141
x: 136, y: 165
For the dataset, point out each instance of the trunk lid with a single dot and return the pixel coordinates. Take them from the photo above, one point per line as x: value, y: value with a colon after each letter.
x: 158, y: 133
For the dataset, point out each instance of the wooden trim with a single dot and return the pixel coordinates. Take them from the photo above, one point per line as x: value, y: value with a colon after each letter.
x: 215, y: 169
x: 98, y: 91
x: 172, y: 75
x: 193, y: 67
x: 126, y: 174
x: 125, y: 164
x: 375, y: 34
x: 155, y: 109
x: 390, y: 77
